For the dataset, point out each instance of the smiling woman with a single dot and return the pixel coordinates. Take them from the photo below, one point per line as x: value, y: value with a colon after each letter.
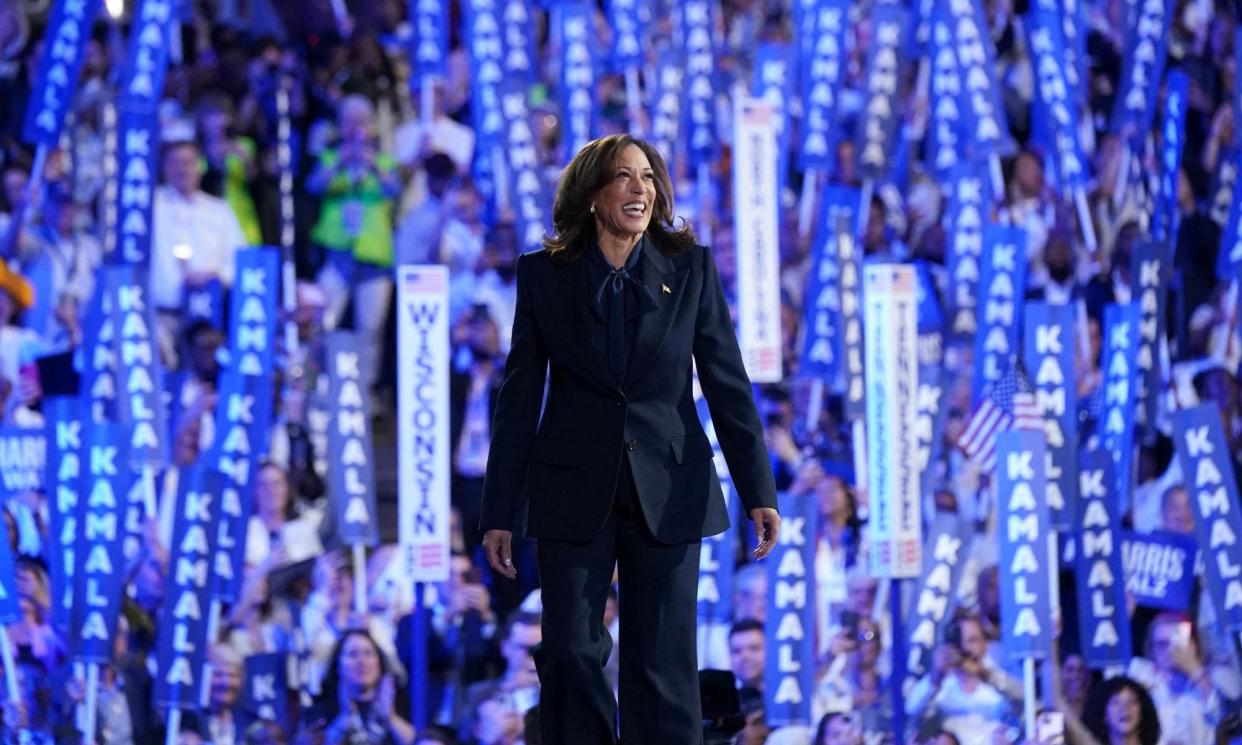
x: 617, y: 470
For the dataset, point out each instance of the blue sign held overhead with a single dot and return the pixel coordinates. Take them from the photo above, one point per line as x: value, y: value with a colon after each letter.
x: 881, y: 113
x: 1172, y: 142
x: 1151, y: 289
x: 1134, y: 106
x: 789, y: 670
x: 1104, y: 619
x: 774, y: 80
x: 1115, y: 428
x: 243, y: 424
x: 139, y: 377
x: 62, y: 418
x: 205, y: 303
x: 1002, y: 285
x: 1055, y: 101
x: 666, y: 105
x: 822, y: 30
x: 984, y: 111
x: 716, y: 557
x: 821, y: 302
x: 352, y: 472
x: 56, y: 78
x: 265, y: 692
x: 947, y: 131
x: 1049, y: 344
x: 626, y: 19
x: 23, y: 459
x: 697, y: 21
x: 1208, y: 468
x: 948, y: 543
x: 579, y: 111
x: 182, y: 638
x: 1026, y: 612
x: 1160, y: 568
x: 526, y: 190
x: 99, y: 574
x: 429, y: 45
x: 967, y: 212
x: 253, y: 312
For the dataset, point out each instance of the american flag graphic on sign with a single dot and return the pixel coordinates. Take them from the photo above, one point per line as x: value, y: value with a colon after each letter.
x: 1007, y: 404
x: 424, y: 280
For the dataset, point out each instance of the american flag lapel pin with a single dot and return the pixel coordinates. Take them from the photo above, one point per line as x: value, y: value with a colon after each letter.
x: 664, y: 290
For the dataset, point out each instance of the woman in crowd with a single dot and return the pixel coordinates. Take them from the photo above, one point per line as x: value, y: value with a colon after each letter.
x: 356, y: 706
x: 1120, y: 711
x: 275, y: 537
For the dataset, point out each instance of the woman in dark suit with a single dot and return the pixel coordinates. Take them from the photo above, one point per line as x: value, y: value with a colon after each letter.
x: 617, y: 470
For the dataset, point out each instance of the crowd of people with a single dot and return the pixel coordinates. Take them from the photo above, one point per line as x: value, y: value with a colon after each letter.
x: 381, y: 183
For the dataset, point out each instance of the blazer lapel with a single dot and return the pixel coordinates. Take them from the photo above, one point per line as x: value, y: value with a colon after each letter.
x: 667, y: 284
x: 574, y: 322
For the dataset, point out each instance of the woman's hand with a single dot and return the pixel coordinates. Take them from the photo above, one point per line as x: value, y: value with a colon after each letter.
x: 767, y: 530
x: 498, y: 544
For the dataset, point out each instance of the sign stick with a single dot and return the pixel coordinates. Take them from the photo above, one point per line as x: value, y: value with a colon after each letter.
x: 1121, y: 183
x: 898, y: 662
x: 1028, y: 696
x: 815, y: 404
x: 1084, y: 219
x: 149, y: 502
x: 427, y: 102
x: 864, y: 209
x: 213, y: 631
x: 284, y: 159
x: 418, y: 676
x: 34, y: 190
x: 360, y: 579
x: 634, y: 101
x: 806, y: 204
x: 10, y: 667
x: 858, y: 433
x: 704, y: 188
x: 174, y: 727
x: 500, y: 178
x: 998, y: 177
x: 92, y: 702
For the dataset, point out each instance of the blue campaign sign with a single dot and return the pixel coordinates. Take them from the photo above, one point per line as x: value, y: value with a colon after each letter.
x: 1134, y: 106
x: 1229, y: 258
x: 948, y: 543
x: 243, y: 423
x: 519, y: 39
x: 56, y: 79
x: 822, y: 337
x: 929, y: 424
x: 205, y: 303
x: 139, y: 377
x: 1172, y: 142
x: 1223, y: 180
x: 789, y: 669
x: 1002, y: 284
x: 264, y: 693
x: 666, y: 104
x: 970, y: 195
x: 1208, y: 468
x: 981, y: 96
x: 182, y: 642
x: 137, y: 146
x: 849, y: 259
x: 822, y: 31
x: 697, y: 23
x: 97, y: 354
x: 774, y: 79
x: 947, y: 129
x: 481, y: 36
x: 1103, y: 616
x: 1049, y: 343
x: 429, y: 44
x: 579, y: 111
x: 526, y: 191
x: 99, y: 571
x: 1159, y: 568
x: 1025, y: 563
x: 881, y: 113
x: 626, y: 19
x: 1074, y: 29
x: 23, y: 457
x: 146, y: 59
x: 253, y: 312
x: 1115, y: 428
x: 351, y: 475
x: 716, y: 558
x: 1055, y: 102
x: 9, y: 611
x: 62, y: 419
x: 1150, y: 282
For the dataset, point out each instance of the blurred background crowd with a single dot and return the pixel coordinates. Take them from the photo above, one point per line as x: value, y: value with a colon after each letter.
x: 377, y: 186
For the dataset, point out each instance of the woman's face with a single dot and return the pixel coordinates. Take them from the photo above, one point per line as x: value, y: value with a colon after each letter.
x: 360, y: 662
x: 832, y: 498
x: 974, y: 643
x: 623, y: 207
x: 1123, y: 714
x: 272, y: 492
x: 1074, y: 677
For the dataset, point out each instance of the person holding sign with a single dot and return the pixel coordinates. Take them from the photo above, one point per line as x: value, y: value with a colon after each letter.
x: 619, y: 471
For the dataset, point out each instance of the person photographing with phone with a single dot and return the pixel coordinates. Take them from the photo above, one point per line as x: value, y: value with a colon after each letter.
x: 1173, y: 672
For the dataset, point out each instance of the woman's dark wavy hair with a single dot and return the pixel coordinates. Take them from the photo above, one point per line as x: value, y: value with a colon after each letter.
x: 329, y: 696
x: 573, y: 225
x: 1096, y: 707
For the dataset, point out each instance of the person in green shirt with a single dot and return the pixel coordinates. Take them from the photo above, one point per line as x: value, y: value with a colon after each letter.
x: 357, y: 186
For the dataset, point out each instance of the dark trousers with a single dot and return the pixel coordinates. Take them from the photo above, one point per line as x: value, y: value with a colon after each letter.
x: 659, y: 684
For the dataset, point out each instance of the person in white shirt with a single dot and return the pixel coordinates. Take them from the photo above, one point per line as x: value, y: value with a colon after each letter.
x: 60, y: 261
x: 195, y: 239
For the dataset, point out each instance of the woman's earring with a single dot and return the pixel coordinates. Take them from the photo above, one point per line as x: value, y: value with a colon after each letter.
x: 592, y: 209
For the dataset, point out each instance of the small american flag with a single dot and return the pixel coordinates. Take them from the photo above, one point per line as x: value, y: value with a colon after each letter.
x: 431, y: 556
x: 425, y: 279
x: 1007, y: 404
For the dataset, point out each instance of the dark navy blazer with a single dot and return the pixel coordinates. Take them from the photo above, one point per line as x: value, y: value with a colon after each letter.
x: 561, y: 459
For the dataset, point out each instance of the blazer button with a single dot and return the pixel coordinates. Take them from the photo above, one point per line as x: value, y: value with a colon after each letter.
x: 620, y: 403
x: 632, y: 445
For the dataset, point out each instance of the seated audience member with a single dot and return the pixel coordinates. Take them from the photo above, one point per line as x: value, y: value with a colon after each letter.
x: 747, y: 656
